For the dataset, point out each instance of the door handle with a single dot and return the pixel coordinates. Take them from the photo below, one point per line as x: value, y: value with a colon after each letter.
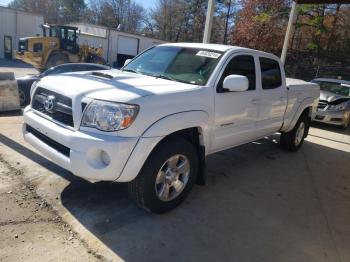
x: 255, y: 101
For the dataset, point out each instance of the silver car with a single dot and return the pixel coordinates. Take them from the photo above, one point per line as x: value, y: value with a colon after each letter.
x: 334, y: 104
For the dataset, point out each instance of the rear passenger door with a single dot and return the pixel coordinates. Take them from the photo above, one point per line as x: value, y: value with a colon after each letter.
x: 273, y: 96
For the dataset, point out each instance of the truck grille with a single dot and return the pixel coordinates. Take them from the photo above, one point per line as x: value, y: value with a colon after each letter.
x: 54, y: 105
x: 322, y: 104
x: 48, y: 141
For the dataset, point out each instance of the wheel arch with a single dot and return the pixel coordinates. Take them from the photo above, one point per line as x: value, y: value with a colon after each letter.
x: 305, y: 107
x: 193, y: 127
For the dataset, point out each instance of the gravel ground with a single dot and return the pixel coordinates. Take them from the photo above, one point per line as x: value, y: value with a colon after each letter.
x: 29, y: 228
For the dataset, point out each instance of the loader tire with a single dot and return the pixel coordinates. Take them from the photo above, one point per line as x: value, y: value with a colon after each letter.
x: 55, y: 60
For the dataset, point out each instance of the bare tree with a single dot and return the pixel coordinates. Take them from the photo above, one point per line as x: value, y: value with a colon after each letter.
x: 125, y: 15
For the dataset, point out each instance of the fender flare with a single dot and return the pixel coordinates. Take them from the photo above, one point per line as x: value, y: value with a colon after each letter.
x: 306, y: 103
x: 179, y: 121
x: 155, y: 134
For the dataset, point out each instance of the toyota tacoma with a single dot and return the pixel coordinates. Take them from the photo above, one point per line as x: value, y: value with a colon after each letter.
x: 154, y: 122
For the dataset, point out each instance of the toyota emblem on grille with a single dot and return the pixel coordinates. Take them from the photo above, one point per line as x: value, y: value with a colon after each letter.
x: 49, y: 104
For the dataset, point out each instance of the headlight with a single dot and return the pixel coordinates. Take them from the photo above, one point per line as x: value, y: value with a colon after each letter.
x: 35, y: 83
x: 339, y: 107
x: 109, y: 116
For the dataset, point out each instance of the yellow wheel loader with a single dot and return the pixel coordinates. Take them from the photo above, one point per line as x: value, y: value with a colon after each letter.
x: 58, y: 45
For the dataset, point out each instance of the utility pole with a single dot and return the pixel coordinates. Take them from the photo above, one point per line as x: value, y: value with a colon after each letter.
x: 209, y: 21
x: 289, y: 31
x: 226, y: 24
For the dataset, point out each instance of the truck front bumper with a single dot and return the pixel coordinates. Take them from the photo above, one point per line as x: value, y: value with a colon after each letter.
x: 94, y: 157
x: 332, y: 117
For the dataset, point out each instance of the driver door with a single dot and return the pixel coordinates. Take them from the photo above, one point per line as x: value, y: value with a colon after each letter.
x: 236, y: 113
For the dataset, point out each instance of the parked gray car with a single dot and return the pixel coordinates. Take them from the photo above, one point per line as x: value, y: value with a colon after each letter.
x: 334, y: 104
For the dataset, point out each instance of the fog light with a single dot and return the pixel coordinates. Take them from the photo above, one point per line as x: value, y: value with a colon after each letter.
x: 105, y: 158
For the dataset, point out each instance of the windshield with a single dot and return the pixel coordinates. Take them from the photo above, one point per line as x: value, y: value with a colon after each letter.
x: 335, y: 88
x: 23, y: 45
x: 188, y: 65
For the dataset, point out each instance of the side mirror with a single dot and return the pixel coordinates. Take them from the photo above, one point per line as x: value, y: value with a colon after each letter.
x: 236, y: 83
x: 127, y: 61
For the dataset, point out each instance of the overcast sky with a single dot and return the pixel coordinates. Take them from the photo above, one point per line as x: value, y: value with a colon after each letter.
x: 146, y: 3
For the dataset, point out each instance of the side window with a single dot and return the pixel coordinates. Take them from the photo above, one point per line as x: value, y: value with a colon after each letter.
x: 270, y: 73
x: 37, y: 47
x: 239, y: 65
x: 63, y: 33
x: 70, y: 34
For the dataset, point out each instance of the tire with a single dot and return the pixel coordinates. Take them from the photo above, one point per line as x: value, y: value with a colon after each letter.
x: 346, y: 124
x: 149, y: 187
x: 23, y: 98
x: 56, y: 59
x: 24, y: 91
x: 294, y: 139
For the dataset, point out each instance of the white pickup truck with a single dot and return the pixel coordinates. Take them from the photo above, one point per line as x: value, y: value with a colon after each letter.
x: 153, y: 122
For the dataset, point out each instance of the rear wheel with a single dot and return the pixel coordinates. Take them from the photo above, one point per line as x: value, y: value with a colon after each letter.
x: 167, y: 177
x: 294, y: 139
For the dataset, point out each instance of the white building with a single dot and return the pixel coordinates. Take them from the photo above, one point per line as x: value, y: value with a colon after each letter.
x: 15, y: 24
x: 118, y: 46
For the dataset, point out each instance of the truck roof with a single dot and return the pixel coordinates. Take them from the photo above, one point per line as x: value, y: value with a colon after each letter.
x: 215, y: 47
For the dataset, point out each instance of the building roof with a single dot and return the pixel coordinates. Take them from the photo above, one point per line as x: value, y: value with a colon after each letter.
x: 112, y: 29
x: 19, y: 10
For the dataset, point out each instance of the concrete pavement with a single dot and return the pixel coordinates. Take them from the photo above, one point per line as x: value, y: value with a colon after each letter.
x: 18, y: 67
x: 260, y: 204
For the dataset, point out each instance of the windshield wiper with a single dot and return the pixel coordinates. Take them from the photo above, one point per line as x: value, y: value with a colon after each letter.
x: 130, y: 70
x: 170, y: 78
x: 164, y: 77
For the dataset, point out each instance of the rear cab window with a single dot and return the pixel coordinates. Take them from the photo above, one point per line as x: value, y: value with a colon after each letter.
x: 271, y: 76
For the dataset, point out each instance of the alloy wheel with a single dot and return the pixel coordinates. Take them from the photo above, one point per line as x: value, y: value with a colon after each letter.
x: 172, y: 177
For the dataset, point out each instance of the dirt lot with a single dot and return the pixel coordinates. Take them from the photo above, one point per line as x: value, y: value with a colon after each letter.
x: 30, y: 230
x: 260, y: 204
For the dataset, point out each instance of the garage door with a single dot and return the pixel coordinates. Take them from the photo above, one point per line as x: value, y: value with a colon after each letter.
x: 127, y: 45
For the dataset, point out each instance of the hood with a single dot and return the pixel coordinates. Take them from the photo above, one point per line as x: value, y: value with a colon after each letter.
x: 331, y: 97
x: 28, y: 77
x: 112, y: 85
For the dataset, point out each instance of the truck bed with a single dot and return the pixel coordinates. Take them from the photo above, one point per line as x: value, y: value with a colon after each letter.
x: 296, y: 96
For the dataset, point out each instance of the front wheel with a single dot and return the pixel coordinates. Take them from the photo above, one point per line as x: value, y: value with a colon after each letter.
x: 346, y: 123
x: 167, y: 177
x: 294, y: 139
